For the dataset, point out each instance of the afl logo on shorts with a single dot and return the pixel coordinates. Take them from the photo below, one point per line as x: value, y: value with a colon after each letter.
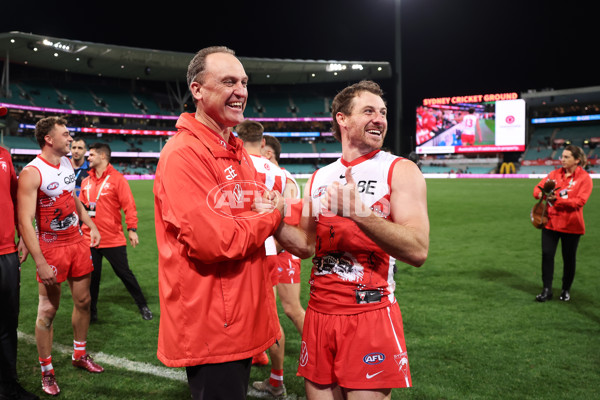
x: 52, y: 186
x: 373, y: 358
x: 303, y: 354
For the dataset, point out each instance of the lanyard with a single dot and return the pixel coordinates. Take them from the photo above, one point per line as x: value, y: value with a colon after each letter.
x: 99, y: 191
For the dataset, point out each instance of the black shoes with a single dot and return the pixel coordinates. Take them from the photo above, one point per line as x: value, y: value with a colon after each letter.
x: 565, y: 296
x: 146, y: 313
x: 544, y: 296
x: 14, y: 391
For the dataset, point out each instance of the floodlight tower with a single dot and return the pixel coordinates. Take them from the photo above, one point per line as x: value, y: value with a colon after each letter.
x: 398, y: 70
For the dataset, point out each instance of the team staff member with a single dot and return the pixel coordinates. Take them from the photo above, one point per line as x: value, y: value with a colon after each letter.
x: 45, y: 195
x: 217, y: 304
x: 78, y: 161
x: 363, y: 212
x: 10, y: 282
x: 573, y: 187
x: 105, y: 193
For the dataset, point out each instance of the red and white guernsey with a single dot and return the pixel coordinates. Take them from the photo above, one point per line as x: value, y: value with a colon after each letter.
x: 350, y: 273
x: 57, y: 222
x: 273, y: 178
x: 469, y: 123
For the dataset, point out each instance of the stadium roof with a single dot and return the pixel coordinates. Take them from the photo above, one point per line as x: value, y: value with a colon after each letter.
x: 550, y: 96
x: 146, y: 64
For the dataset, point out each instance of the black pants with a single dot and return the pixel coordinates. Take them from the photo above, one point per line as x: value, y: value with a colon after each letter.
x: 10, y: 282
x: 226, y: 381
x: 569, y: 243
x: 117, y: 257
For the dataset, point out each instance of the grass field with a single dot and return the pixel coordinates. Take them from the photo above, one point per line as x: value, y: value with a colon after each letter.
x: 473, y: 329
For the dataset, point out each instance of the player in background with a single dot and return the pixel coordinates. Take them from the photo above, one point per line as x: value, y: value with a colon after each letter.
x: 288, y: 287
x: 270, y: 175
x: 46, y: 195
x: 78, y: 161
x: 471, y: 126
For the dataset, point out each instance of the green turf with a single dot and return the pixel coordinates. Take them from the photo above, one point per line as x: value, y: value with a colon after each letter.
x: 473, y: 329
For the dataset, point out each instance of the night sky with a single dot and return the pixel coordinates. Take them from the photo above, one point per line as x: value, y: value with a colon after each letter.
x: 449, y: 47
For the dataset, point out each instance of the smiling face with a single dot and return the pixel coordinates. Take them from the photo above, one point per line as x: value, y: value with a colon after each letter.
x: 222, y: 95
x: 366, y: 126
x: 94, y: 158
x: 60, y: 139
x: 568, y: 161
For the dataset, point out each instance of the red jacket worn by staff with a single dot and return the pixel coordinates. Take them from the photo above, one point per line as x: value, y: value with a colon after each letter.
x: 566, y: 212
x: 8, y: 202
x: 217, y: 303
x: 115, y: 194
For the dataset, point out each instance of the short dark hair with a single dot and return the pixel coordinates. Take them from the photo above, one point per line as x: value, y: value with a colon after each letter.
x: 342, y: 102
x: 80, y: 139
x: 273, y: 143
x: 250, y: 131
x: 101, y: 148
x: 197, y: 66
x: 44, y: 126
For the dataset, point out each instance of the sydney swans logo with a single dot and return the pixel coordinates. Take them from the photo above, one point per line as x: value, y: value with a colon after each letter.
x: 234, y: 199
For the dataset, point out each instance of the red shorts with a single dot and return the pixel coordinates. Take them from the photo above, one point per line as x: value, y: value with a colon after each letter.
x: 356, y: 351
x: 272, y: 268
x: 467, y: 138
x: 288, y: 267
x: 69, y: 261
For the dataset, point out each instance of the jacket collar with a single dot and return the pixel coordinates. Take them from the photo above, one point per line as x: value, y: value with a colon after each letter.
x: 211, y: 139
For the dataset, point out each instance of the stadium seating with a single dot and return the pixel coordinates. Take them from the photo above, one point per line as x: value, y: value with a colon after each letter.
x: 21, y: 142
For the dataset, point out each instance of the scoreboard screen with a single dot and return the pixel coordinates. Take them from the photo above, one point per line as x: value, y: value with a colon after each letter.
x: 471, y: 124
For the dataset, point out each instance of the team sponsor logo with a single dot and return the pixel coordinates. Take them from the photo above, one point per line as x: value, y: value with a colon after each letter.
x: 267, y: 167
x: 69, y: 179
x: 230, y: 199
x: 4, y: 165
x: 303, y: 354
x: 344, y: 265
x: 46, y: 202
x: 402, y: 362
x: 374, y: 358
x: 370, y: 376
x: 510, y: 119
x: 48, y: 237
x: 230, y: 173
x: 320, y: 192
x: 52, y: 186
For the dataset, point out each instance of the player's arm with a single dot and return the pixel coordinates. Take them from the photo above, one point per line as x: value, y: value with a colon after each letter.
x: 299, y: 240
x: 29, y: 183
x: 406, y: 236
x: 127, y: 203
x: 86, y: 219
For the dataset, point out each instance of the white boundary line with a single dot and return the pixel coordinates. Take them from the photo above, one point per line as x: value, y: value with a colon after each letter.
x: 118, y: 362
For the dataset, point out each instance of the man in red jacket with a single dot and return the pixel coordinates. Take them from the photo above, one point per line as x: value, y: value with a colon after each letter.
x: 216, y: 298
x: 104, y: 193
x: 10, y: 281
